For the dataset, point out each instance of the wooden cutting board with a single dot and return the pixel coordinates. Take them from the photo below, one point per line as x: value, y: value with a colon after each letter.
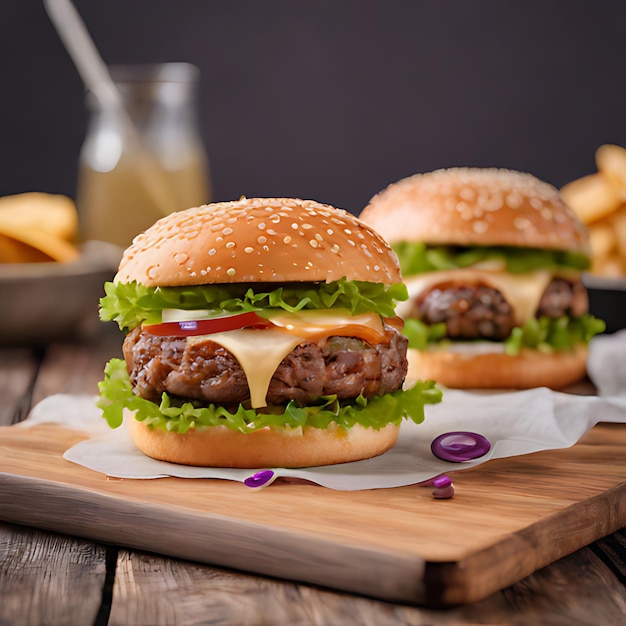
x: 508, y: 517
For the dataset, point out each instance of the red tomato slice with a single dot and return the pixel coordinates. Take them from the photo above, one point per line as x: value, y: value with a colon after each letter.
x: 189, y: 328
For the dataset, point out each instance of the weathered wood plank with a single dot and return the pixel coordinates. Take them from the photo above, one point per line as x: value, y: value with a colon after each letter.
x: 152, y: 590
x: 612, y: 550
x: 18, y: 369
x: 76, y: 368
x: 578, y: 589
x: 48, y: 579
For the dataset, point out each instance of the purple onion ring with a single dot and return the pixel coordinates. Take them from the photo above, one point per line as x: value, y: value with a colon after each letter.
x: 260, y: 479
x: 460, y: 446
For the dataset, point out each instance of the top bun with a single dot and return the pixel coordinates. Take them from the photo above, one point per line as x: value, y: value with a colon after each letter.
x: 472, y: 206
x: 258, y: 240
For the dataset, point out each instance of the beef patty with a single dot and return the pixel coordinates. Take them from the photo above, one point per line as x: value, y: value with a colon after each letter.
x: 205, y: 371
x: 478, y: 311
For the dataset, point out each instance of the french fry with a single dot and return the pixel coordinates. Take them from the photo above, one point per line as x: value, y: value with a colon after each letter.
x: 599, y: 200
x: 37, y: 227
x: 618, y: 223
x: 591, y: 197
x: 55, y: 248
x: 611, y: 267
x: 602, y: 240
x: 611, y: 162
x: 13, y: 251
x: 53, y: 214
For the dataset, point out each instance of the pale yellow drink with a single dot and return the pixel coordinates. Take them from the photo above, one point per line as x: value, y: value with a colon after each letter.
x: 145, y: 161
x: 119, y: 204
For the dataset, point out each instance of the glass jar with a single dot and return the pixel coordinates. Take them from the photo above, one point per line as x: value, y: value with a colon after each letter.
x: 131, y: 174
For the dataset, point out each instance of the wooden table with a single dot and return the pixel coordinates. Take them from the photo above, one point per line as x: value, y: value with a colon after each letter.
x: 48, y: 578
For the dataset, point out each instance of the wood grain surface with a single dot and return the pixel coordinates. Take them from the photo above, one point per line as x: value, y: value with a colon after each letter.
x: 508, y: 518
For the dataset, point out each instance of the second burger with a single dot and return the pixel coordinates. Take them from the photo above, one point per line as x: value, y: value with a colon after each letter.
x: 493, y: 260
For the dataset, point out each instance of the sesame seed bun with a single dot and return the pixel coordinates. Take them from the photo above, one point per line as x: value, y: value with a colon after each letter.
x: 258, y: 240
x: 472, y: 206
x: 498, y: 370
x: 219, y: 446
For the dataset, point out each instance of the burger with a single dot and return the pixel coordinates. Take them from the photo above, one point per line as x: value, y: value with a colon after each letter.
x: 492, y: 260
x: 260, y: 333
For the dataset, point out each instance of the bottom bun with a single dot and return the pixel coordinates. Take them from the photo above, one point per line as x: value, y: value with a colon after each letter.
x: 220, y: 446
x: 497, y: 370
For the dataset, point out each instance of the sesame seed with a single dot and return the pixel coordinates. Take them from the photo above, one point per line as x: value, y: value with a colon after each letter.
x: 227, y: 231
x: 261, y: 226
x: 248, y: 249
x: 313, y: 243
x: 212, y: 251
x: 450, y: 204
x: 231, y: 271
x: 467, y: 193
x: 480, y: 226
x: 335, y: 248
x: 494, y: 203
x: 286, y: 239
x: 521, y: 223
x: 514, y: 200
x: 261, y: 239
x: 230, y: 244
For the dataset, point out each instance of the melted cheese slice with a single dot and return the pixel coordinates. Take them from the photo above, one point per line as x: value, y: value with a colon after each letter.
x: 522, y: 291
x: 259, y: 353
x: 314, y: 323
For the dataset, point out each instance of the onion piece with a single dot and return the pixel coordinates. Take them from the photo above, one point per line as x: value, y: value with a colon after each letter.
x: 260, y: 479
x: 460, y: 446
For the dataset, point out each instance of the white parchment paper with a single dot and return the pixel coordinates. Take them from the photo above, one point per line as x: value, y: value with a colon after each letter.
x: 515, y: 422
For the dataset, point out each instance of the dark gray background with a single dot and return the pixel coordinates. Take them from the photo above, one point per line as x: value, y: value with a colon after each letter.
x: 333, y: 100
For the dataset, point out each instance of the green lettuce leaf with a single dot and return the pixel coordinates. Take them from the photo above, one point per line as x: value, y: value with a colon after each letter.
x: 417, y: 258
x: 116, y: 394
x: 131, y: 304
x: 420, y: 334
x: 545, y: 333
x: 561, y: 333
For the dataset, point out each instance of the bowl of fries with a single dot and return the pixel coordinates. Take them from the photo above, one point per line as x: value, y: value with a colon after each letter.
x: 50, y: 285
x: 599, y: 199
